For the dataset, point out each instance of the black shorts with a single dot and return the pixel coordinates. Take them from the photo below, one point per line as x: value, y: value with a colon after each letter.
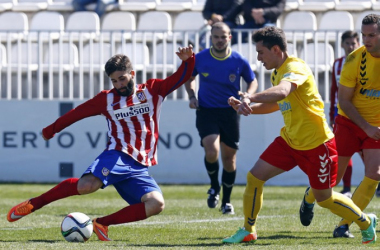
x: 221, y: 121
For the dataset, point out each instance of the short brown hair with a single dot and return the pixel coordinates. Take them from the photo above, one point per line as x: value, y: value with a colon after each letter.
x: 350, y: 34
x: 371, y: 19
x: 271, y: 36
x: 220, y: 25
x: 118, y: 62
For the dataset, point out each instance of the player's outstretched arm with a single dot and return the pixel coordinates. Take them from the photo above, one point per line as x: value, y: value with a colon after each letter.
x: 185, y: 53
x: 240, y: 106
x: 44, y: 137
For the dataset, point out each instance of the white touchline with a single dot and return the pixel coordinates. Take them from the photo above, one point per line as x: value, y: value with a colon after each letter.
x: 137, y: 223
x: 197, y: 221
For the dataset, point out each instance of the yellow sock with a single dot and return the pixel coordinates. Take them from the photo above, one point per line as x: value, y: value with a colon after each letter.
x: 309, y: 197
x: 252, y: 201
x: 362, y: 196
x: 344, y: 207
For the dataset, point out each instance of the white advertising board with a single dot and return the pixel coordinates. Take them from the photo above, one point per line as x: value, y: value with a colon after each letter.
x: 26, y: 157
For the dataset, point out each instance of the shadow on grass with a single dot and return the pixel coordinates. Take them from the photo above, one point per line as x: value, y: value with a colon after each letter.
x: 280, y: 236
x: 31, y: 241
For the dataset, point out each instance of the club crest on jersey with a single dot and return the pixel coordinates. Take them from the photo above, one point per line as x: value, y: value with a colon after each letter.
x: 105, y: 171
x: 232, y: 77
x: 141, y: 96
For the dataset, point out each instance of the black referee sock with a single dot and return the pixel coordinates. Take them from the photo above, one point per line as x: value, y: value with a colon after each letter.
x: 213, y: 173
x: 228, y: 180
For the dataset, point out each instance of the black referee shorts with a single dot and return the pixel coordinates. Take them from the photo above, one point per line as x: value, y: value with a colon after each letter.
x: 221, y: 121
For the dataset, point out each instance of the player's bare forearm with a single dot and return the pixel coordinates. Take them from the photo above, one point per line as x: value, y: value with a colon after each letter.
x: 273, y: 94
x: 252, y: 88
x: 263, y: 108
x: 190, y: 89
x: 345, y: 95
x: 246, y: 108
x: 350, y: 110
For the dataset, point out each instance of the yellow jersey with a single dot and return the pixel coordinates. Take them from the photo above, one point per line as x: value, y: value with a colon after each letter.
x: 303, y: 110
x: 362, y: 72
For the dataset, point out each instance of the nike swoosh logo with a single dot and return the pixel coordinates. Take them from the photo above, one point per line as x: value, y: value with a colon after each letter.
x: 13, y: 216
x: 113, y: 104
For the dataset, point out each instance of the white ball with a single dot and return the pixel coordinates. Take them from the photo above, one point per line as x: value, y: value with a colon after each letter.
x: 76, y: 227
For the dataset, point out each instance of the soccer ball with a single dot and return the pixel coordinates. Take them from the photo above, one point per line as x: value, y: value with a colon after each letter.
x: 76, y: 227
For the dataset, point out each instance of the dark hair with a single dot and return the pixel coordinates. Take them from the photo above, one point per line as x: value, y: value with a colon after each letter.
x: 372, y: 19
x: 220, y: 25
x: 350, y: 34
x: 118, y: 62
x: 271, y: 36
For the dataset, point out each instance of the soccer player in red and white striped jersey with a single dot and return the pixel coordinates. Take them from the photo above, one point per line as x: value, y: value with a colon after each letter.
x: 132, y: 112
x: 350, y: 42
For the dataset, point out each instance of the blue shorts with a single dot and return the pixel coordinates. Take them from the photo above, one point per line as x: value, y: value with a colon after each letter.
x: 130, y: 178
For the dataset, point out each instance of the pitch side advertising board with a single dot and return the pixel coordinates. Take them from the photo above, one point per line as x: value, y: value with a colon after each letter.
x: 26, y: 157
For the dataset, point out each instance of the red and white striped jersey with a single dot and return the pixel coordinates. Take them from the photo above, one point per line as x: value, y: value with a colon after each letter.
x: 133, y: 120
x: 337, y: 69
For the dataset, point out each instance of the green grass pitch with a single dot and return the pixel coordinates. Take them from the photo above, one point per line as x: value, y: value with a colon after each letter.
x: 186, y: 223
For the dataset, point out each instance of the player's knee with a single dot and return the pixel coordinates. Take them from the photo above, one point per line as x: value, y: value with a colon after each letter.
x: 154, y: 206
x: 88, y: 185
x: 211, y: 156
x: 160, y: 205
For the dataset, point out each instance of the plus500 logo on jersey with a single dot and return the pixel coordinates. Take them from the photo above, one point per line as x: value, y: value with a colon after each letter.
x: 135, y: 110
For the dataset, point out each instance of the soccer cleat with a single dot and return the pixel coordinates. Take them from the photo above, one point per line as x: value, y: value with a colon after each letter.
x: 369, y: 235
x: 377, y: 193
x: 306, y: 211
x: 227, y: 209
x: 100, y: 231
x: 241, y: 235
x: 342, y: 232
x: 19, y: 211
x: 347, y: 192
x: 213, y: 198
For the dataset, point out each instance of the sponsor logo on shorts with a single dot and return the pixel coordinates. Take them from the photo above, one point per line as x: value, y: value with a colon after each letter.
x: 131, y: 111
x: 323, y: 170
x: 105, y: 171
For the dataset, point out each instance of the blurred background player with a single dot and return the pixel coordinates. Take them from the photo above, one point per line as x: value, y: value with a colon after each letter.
x: 220, y: 70
x: 132, y: 114
x: 258, y: 14
x: 349, y: 42
x: 226, y: 11
x: 100, y: 8
x: 222, y: 11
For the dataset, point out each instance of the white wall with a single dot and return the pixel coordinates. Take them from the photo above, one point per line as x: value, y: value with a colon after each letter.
x: 26, y: 157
